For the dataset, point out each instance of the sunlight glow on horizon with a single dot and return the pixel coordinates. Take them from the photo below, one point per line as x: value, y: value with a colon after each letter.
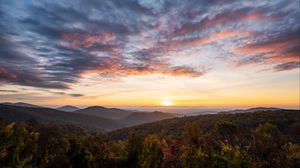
x: 166, y: 102
x: 240, y: 89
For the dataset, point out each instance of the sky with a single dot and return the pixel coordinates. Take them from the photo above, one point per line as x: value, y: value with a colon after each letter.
x: 212, y: 53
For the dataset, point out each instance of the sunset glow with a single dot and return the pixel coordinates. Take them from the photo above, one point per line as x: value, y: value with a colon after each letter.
x: 149, y: 83
x: 166, y: 103
x: 137, y: 53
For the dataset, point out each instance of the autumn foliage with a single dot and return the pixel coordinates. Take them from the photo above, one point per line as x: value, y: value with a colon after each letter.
x: 225, y: 145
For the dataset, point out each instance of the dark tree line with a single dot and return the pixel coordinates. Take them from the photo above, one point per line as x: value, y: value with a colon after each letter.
x: 225, y: 145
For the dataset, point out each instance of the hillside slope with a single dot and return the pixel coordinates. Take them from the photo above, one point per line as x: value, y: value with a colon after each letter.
x: 288, y: 121
x: 112, y: 113
x: 145, y: 117
x: 46, y: 115
x: 97, y: 118
x: 21, y: 104
x: 68, y: 108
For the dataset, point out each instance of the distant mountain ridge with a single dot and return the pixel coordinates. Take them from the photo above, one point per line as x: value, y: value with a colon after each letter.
x: 95, y: 118
x: 21, y: 104
x: 112, y: 113
x: 255, y: 109
x: 68, y: 108
x: 48, y: 115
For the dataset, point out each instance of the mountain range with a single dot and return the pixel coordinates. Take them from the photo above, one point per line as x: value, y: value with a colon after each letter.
x: 21, y: 104
x: 68, y: 108
x: 287, y: 120
x: 94, y: 118
x: 99, y: 111
x: 250, y: 110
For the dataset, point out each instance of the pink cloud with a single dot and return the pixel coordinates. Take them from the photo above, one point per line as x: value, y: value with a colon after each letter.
x: 224, y: 18
x: 87, y: 41
x: 211, y: 38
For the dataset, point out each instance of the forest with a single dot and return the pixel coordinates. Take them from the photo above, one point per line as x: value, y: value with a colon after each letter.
x: 249, y: 140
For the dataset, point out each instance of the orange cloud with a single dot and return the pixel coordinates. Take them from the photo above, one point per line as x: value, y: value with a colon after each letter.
x: 143, y: 69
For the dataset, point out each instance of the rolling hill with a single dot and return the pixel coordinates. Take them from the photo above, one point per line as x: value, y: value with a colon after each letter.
x: 68, y: 108
x: 250, y: 110
x: 47, y: 115
x: 288, y: 121
x: 21, y: 104
x: 112, y: 113
x: 145, y: 117
x: 217, y: 139
x: 96, y: 118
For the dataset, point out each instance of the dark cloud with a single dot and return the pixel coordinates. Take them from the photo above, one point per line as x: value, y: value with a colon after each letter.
x: 64, y: 93
x: 27, y: 78
x: 76, y: 95
x: 286, y: 66
x: 8, y: 91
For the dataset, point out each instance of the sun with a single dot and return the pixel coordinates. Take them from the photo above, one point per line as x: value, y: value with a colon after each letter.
x: 166, y: 103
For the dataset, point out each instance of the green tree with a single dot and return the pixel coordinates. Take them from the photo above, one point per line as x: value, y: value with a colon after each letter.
x: 292, y: 153
x: 134, y: 148
x: 79, y: 153
x: 194, y: 157
x: 191, y: 133
x: 226, y: 131
x: 266, y: 145
x: 53, y: 147
x: 18, y: 146
x: 98, y: 152
x: 152, y: 152
x: 231, y: 157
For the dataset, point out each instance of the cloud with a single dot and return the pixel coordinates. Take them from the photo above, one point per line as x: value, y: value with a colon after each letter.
x: 277, y: 47
x: 286, y: 66
x: 8, y: 91
x: 26, y: 78
x: 76, y: 95
x: 207, y: 39
x: 87, y: 41
x: 64, y: 93
x: 120, y: 70
x: 54, y: 44
x: 224, y: 18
